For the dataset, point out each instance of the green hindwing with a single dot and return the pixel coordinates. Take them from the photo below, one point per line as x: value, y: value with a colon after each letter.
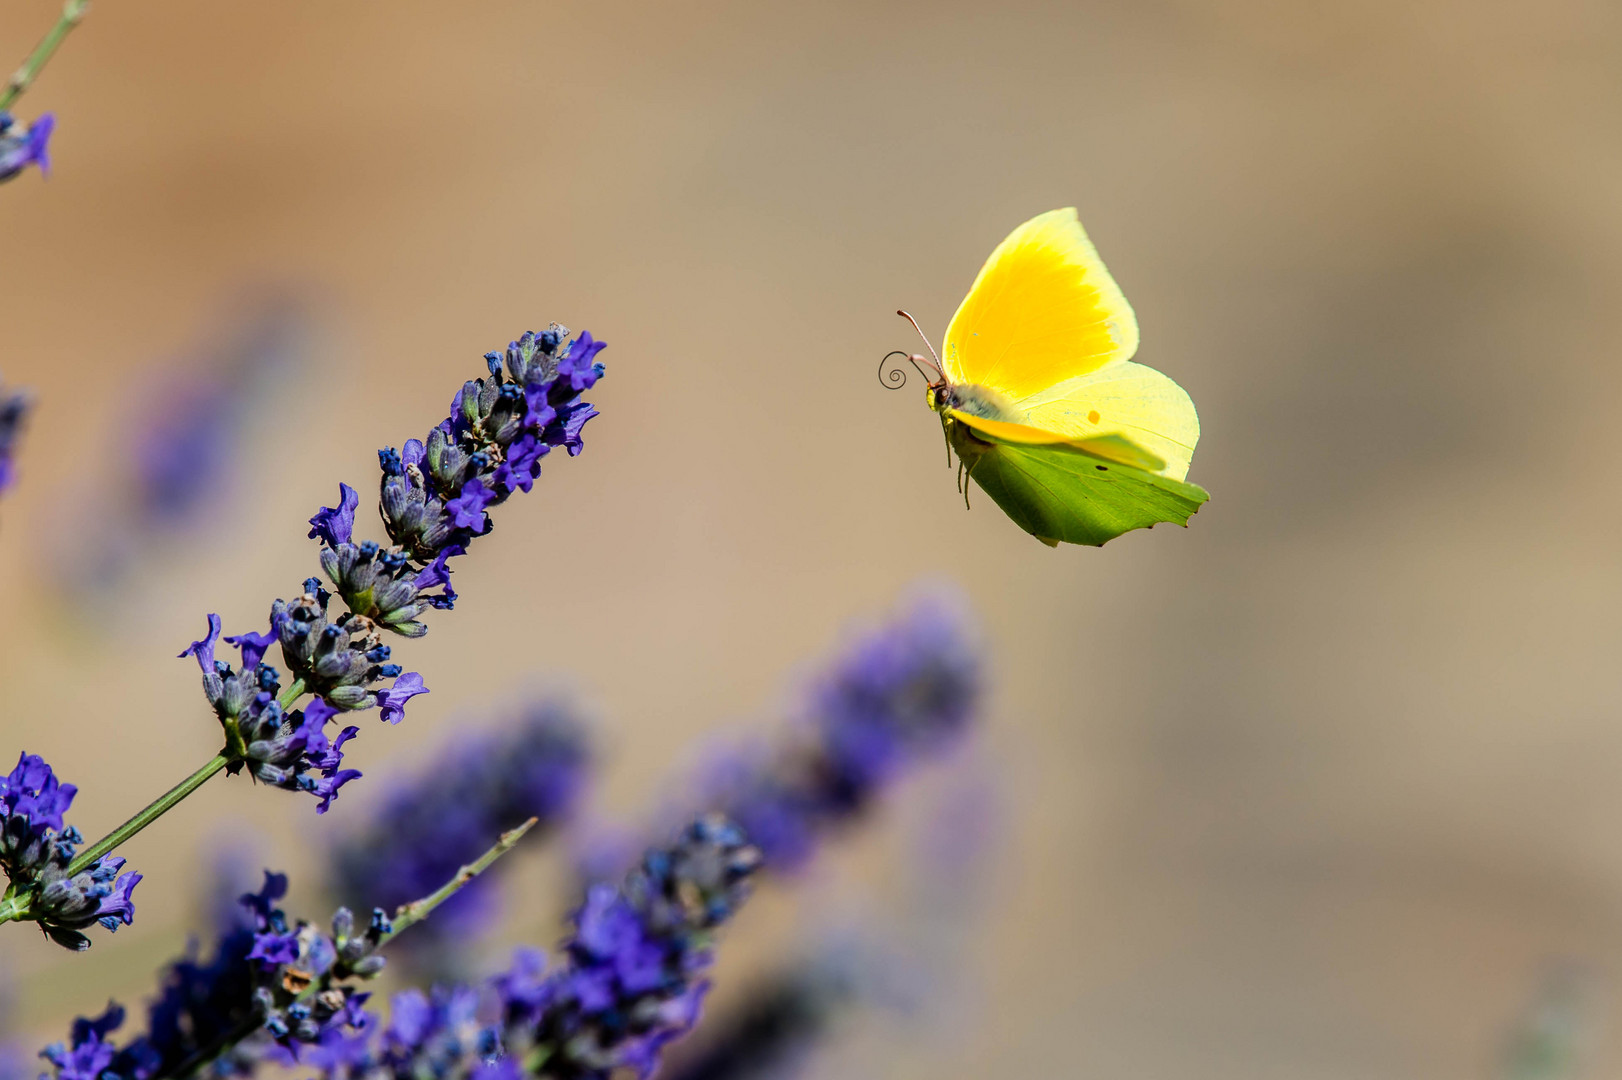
x: 1059, y: 492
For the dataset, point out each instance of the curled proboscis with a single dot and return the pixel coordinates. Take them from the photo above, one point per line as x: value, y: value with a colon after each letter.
x: 896, y: 376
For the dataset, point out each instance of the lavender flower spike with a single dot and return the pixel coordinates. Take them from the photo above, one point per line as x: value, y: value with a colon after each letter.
x: 633, y: 981
x: 282, y: 989
x: 276, y: 991
x: 435, y: 500
x: 20, y: 149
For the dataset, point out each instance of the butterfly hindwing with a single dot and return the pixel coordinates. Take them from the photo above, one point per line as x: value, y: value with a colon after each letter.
x: 1127, y: 400
x: 1043, y: 309
x: 1060, y: 492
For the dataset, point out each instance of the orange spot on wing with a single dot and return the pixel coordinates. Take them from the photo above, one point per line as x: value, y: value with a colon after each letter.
x: 1092, y: 417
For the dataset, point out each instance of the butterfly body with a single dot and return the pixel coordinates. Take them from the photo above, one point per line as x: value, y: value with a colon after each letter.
x: 1042, y: 404
x: 978, y: 401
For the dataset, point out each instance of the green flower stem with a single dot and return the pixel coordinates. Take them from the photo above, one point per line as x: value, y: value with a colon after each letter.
x: 73, y: 12
x: 162, y: 805
x: 14, y: 906
x: 291, y: 694
x: 406, y: 915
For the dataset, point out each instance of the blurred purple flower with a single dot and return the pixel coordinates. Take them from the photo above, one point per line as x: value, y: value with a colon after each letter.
x: 13, y: 411
x: 633, y: 977
x: 179, y: 451
x: 479, y: 784
x: 897, y: 697
x: 20, y: 149
x: 90, y: 1054
x: 631, y: 981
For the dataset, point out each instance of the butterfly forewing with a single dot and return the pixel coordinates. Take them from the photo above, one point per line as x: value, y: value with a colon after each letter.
x: 1043, y: 310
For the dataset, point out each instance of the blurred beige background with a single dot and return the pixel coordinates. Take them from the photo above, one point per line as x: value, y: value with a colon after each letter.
x: 1317, y: 788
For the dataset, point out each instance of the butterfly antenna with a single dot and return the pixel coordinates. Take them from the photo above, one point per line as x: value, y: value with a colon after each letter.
x: 895, y: 378
x: 938, y: 369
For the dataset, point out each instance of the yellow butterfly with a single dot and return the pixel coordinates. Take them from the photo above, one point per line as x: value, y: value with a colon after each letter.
x: 1040, y: 399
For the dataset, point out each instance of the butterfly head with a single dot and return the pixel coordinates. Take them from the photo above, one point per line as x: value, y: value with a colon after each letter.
x: 894, y: 377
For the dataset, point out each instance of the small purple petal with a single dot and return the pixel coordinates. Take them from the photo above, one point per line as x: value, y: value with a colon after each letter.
x: 540, y: 413
x: 336, y: 526
x: 39, y: 138
x: 318, y: 712
x: 467, y: 509
x: 204, y: 650
x: 274, y: 949
x: 117, y: 907
x: 523, y: 465
x: 565, y: 431
x: 392, y: 701
x: 253, y: 647
x: 578, y: 367
x: 18, y: 151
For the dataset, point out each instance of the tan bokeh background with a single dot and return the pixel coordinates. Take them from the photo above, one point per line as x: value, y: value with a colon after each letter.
x: 1317, y: 788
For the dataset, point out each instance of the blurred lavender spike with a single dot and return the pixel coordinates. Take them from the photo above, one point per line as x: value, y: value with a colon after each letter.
x: 900, y: 695
x: 478, y: 784
x: 630, y: 982
x: 181, y: 458
x: 13, y: 413
x: 910, y: 968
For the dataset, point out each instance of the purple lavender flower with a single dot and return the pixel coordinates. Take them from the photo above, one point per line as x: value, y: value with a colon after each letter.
x: 273, y: 991
x: 438, y: 1030
x: 13, y: 411
x: 477, y: 785
x: 290, y: 751
x: 898, y: 696
x: 36, y: 852
x: 90, y: 1055
x: 436, y: 493
x: 632, y: 981
x: 391, y: 702
x: 435, y: 500
x: 633, y: 978
x: 20, y: 149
